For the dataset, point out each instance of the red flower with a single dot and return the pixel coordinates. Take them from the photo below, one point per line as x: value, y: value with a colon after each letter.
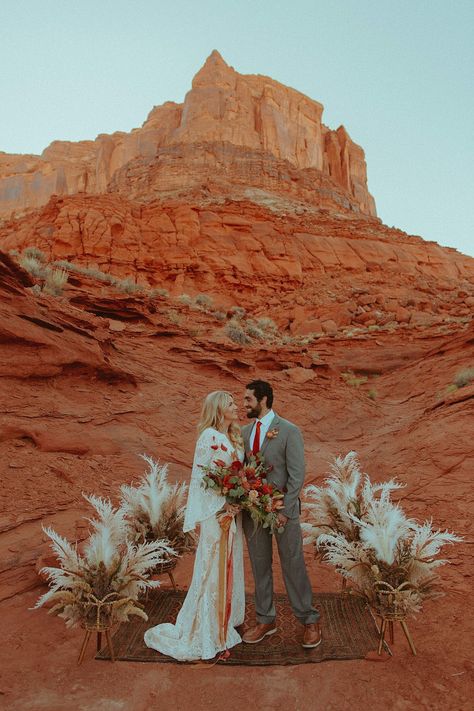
x: 235, y: 466
x: 267, y: 489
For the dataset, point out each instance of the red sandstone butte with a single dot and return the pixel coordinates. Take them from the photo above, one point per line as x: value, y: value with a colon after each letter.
x: 247, y: 130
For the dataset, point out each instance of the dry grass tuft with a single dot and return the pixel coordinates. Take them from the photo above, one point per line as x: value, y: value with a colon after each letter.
x: 33, y: 266
x: 236, y: 333
x: 464, y: 377
x: 56, y: 280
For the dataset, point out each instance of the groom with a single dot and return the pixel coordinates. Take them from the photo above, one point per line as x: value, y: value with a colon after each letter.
x: 281, y: 446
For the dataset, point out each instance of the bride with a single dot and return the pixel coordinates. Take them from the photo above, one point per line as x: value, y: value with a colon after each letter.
x: 205, y: 626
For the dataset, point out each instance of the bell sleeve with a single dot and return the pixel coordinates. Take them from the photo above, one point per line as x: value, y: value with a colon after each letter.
x: 202, y: 503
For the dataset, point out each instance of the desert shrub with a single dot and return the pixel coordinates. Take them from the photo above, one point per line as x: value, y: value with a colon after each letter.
x: 55, y: 281
x: 253, y: 330
x: 174, y: 317
x: 464, y: 377
x: 238, y: 311
x: 353, y: 380
x: 35, y: 253
x: 87, y: 271
x: 64, y: 264
x: 164, y: 293
x: 236, y: 333
x: 307, y: 340
x: 219, y: 315
x: 267, y: 324
x: 99, y: 275
x: 372, y: 394
x: 185, y: 299
x: 33, y: 266
x: 451, y: 388
x: 108, y: 278
x: 204, y: 300
x: 288, y: 340
x: 127, y: 286
x: 14, y: 253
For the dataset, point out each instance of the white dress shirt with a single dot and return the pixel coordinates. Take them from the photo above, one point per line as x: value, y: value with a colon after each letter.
x: 266, y: 422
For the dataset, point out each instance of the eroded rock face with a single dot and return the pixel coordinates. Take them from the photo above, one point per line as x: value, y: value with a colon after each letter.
x: 91, y: 379
x: 314, y: 272
x: 236, y: 129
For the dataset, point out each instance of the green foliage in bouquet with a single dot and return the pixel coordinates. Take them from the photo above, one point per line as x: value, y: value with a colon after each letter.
x: 154, y: 509
x: 101, y: 585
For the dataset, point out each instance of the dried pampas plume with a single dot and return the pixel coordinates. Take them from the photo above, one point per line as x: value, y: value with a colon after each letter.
x: 110, y: 567
x: 154, y: 509
x: 354, y: 526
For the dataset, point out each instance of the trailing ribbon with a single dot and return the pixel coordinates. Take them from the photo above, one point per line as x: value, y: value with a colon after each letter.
x: 226, y: 571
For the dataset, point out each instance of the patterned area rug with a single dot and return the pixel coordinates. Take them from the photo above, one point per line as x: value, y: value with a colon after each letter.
x: 349, y: 632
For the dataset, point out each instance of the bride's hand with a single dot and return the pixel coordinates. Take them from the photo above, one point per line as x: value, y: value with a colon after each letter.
x: 231, y: 509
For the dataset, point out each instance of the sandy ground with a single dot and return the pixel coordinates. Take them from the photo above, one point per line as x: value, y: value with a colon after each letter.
x: 39, y: 671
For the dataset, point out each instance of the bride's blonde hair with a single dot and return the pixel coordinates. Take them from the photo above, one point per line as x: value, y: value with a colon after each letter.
x: 212, y: 415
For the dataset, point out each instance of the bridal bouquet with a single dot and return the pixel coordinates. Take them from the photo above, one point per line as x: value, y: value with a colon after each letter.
x: 245, y: 485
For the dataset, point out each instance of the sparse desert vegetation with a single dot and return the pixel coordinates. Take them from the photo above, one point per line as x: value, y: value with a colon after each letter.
x: 351, y: 379
x: 464, y: 377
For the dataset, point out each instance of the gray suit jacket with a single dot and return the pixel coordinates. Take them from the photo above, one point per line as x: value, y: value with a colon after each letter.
x: 285, y: 453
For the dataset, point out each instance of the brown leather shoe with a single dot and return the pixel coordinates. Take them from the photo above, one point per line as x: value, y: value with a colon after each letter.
x: 312, y: 636
x: 257, y: 633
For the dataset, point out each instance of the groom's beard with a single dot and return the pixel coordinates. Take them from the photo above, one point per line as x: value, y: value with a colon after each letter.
x: 254, y: 412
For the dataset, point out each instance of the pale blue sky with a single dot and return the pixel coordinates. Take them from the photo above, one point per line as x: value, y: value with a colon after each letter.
x: 397, y: 74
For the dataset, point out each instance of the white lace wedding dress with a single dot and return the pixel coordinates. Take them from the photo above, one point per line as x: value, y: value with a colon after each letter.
x: 196, y: 634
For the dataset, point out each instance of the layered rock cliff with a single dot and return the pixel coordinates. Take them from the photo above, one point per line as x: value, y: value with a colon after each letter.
x: 231, y: 130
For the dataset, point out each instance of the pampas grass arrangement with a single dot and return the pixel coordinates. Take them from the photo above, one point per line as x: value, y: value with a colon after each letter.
x: 101, y: 585
x: 154, y: 509
x: 345, y: 497
x: 390, y: 559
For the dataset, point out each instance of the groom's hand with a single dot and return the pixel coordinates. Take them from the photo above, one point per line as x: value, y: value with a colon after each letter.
x: 282, y: 520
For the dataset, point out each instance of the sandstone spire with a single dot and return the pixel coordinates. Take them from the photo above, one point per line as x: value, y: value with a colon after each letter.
x: 215, y: 71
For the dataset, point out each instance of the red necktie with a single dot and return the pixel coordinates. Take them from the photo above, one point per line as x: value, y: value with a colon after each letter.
x: 256, y: 441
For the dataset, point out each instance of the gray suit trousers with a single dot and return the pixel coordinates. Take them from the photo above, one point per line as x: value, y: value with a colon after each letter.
x: 290, y: 550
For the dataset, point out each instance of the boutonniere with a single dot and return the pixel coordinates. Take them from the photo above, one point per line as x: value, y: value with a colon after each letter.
x: 271, y: 434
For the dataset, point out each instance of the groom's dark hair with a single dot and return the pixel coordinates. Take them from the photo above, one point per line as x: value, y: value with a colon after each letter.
x: 261, y: 389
